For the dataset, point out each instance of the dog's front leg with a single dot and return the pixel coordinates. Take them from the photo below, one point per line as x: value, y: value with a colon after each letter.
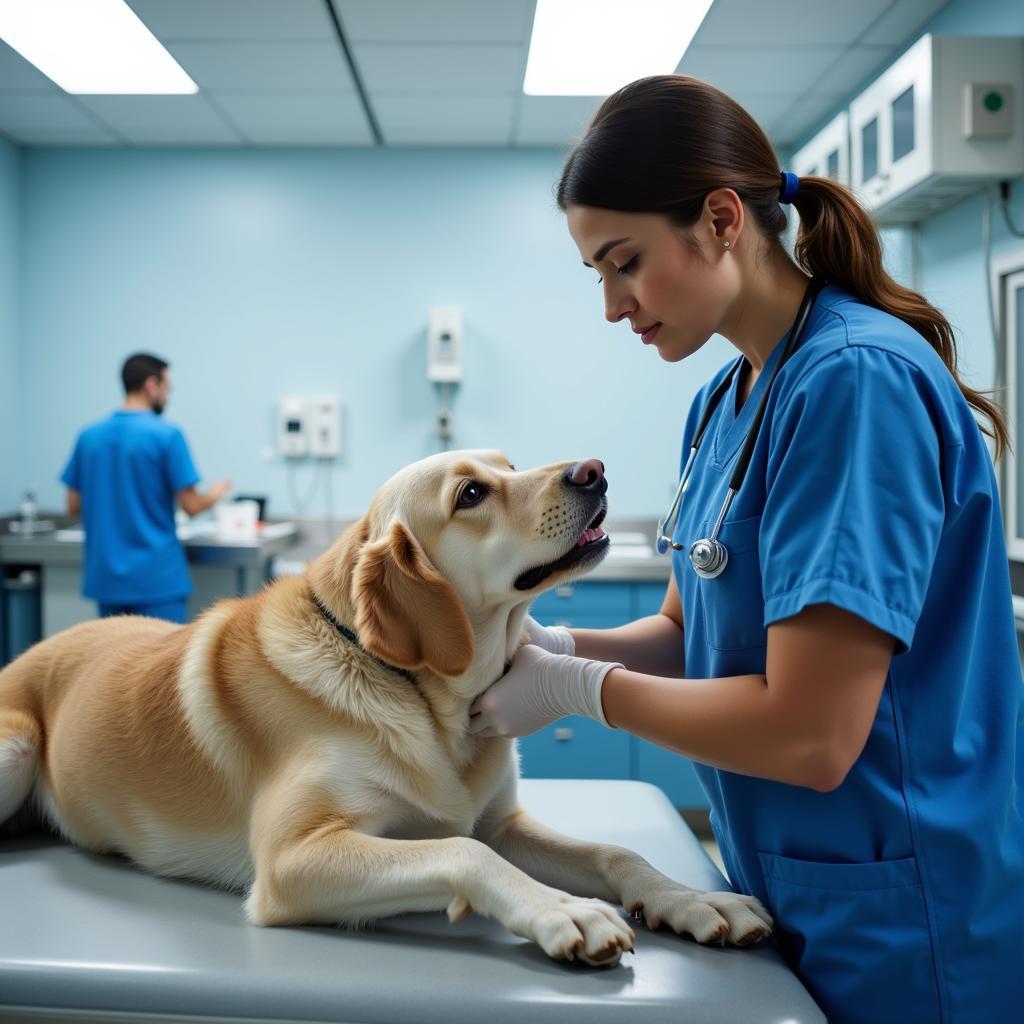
x: 335, y: 874
x: 623, y: 877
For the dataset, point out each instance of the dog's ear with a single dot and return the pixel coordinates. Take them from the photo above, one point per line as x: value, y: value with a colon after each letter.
x: 407, y: 613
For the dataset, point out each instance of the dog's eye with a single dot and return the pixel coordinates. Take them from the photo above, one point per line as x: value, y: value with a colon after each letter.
x: 470, y: 495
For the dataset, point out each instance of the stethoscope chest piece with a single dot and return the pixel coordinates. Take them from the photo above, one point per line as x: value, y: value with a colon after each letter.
x: 708, y: 558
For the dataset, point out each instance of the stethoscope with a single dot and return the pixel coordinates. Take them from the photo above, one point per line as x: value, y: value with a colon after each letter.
x: 709, y: 555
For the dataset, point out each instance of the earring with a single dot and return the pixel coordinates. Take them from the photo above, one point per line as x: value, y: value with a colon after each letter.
x: 727, y: 243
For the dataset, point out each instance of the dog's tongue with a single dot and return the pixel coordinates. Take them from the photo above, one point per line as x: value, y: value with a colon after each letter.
x: 588, y: 535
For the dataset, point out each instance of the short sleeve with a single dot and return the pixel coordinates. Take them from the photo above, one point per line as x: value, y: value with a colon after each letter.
x: 180, y: 469
x: 72, y: 475
x: 854, y: 509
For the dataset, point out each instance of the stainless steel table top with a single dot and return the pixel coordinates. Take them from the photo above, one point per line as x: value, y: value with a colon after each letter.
x: 92, y: 938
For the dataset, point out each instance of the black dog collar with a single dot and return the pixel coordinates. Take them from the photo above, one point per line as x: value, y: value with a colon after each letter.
x: 353, y: 639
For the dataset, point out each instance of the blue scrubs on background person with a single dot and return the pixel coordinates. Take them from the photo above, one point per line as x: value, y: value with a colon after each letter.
x: 898, y: 896
x: 128, y: 469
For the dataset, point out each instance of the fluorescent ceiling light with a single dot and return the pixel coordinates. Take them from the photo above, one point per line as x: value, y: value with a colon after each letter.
x: 593, y: 47
x: 91, y: 46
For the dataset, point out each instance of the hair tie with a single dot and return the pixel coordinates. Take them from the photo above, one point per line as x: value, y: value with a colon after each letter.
x: 790, y: 184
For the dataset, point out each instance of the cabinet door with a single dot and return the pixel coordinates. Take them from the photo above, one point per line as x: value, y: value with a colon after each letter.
x: 592, y: 605
x: 648, y: 598
x: 890, y: 128
x: 575, y: 748
x: 670, y: 772
x: 828, y: 153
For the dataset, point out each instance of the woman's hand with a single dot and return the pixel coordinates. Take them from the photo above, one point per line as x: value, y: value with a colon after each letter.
x: 554, y: 639
x: 539, y: 688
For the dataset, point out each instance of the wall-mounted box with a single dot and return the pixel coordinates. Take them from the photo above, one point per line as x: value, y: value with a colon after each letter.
x: 940, y: 123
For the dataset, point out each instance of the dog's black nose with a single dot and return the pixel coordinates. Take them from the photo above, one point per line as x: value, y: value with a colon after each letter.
x: 588, y: 474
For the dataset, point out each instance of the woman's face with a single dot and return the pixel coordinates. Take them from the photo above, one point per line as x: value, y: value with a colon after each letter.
x: 669, y: 282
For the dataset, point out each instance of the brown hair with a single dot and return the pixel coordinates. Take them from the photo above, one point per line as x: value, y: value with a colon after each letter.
x: 661, y: 144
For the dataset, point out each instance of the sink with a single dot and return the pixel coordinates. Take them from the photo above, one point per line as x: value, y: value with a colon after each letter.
x: 35, y: 526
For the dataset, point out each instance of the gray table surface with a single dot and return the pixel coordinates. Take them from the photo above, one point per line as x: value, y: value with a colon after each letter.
x: 84, y: 937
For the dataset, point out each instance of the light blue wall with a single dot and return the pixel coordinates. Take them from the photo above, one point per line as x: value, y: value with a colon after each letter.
x: 261, y: 273
x: 11, y: 409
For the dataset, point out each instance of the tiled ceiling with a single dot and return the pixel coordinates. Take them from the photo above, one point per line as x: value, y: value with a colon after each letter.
x: 437, y: 72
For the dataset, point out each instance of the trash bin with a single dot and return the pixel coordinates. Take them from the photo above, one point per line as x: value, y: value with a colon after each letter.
x: 22, y: 608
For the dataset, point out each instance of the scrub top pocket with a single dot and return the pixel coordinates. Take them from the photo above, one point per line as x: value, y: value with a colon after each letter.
x: 733, y: 602
x: 857, y: 935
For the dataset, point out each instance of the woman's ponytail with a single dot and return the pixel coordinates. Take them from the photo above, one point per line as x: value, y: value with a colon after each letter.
x: 839, y: 242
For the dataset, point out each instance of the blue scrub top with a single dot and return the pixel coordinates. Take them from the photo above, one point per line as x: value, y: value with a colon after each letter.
x: 898, y: 896
x: 128, y: 469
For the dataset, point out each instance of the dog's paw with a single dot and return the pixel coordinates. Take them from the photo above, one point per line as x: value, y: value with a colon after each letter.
x: 573, y: 928
x: 710, y: 917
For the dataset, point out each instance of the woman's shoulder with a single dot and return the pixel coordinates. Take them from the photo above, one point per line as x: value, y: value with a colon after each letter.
x: 853, y: 345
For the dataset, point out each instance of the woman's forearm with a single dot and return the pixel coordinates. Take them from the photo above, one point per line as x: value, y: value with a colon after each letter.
x: 733, y: 723
x: 652, y: 645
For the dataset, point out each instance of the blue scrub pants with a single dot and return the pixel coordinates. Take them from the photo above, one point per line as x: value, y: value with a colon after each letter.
x: 173, y: 611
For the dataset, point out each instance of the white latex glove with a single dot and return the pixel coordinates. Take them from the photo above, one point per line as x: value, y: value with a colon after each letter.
x: 554, y: 639
x: 539, y: 688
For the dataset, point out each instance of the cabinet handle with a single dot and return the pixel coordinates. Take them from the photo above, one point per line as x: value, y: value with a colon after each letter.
x: 565, y: 591
x: 563, y: 734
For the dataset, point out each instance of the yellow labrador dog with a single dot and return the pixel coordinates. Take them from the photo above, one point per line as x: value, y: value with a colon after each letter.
x: 310, y: 745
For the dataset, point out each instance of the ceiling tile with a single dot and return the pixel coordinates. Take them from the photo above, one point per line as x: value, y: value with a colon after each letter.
x: 440, y: 21
x: 418, y: 119
x: 554, y: 120
x: 787, y: 22
x: 402, y: 68
x: 748, y: 69
x: 235, y: 19
x: 298, y: 118
x: 804, y: 113
x: 266, y: 66
x: 853, y: 69
x: 44, y: 119
x: 17, y: 74
x: 902, y: 22
x: 162, y: 120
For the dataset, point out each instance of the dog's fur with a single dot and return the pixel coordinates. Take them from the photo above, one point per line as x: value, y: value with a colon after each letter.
x: 257, y: 748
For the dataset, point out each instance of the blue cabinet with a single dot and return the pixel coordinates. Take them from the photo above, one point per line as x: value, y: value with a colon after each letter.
x: 577, y: 748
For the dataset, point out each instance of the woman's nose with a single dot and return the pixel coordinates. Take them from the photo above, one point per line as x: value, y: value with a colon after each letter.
x: 617, y: 306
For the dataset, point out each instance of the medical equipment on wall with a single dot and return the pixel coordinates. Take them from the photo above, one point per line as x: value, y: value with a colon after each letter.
x: 309, y: 426
x: 709, y: 555
x: 292, y: 431
x: 444, y: 364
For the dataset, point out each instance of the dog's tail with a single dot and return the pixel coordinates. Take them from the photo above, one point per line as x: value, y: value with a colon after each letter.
x: 21, y: 737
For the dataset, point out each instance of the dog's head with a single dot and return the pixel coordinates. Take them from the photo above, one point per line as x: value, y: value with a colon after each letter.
x: 452, y: 541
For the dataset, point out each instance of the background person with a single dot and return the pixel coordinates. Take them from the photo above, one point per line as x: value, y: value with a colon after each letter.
x: 124, y: 476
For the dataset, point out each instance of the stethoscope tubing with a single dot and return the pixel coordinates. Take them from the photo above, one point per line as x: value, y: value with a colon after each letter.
x: 709, y: 556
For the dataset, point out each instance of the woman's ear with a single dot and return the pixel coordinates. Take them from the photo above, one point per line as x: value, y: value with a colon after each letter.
x: 724, y: 212
x: 407, y: 613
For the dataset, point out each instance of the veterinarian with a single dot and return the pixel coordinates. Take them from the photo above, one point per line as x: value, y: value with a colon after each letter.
x: 849, y: 682
x: 124, y: 476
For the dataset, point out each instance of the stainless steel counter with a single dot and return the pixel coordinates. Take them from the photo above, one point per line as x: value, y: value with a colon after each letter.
x: 219, y: 568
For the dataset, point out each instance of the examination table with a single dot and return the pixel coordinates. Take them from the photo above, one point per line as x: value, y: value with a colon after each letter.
x: 85, y: 937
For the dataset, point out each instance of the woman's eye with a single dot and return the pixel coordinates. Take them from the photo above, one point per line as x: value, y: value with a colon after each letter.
x: 627, y: 268
x: 470, y: 495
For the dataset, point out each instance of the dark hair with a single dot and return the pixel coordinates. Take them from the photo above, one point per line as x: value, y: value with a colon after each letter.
x: 139, y: 368
x: 661, y: 144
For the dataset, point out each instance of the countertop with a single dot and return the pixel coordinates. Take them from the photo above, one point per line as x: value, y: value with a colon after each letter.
x: 90, y: 937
